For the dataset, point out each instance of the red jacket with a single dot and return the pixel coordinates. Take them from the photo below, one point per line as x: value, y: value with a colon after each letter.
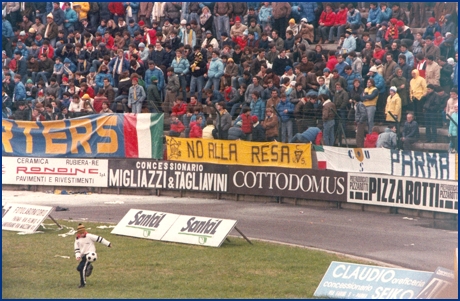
x: 177, y: 126
x: 50, y: 51
x: 327, y: 18
x: 109, y: 43
x: 195, y: 130
x: 331, y: 62
x: 246, y: 126
x: 421, y: 67
x: 341, y: 17
x: 152, y: 35
x: 89, y: 91
x: 180, y: 109
x: 240, y: 41
x: 117, y: 8
x: 371, y: 140
x: 378, y: 55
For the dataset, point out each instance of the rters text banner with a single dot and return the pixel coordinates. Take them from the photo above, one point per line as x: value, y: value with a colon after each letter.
x: 239, y: 152
x: 107, y: 135
x: 403, y: 192
x: 54, y: 171
x: 357, y: 281
x: 288, y: 182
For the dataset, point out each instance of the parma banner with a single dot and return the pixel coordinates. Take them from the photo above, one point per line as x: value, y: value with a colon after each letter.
x: 102, y: 136
x: 403, y: 192
x: 238, y: 152
x: 438, y: 166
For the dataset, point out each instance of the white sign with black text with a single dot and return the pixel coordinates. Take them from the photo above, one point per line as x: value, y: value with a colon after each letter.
x: 145, y: 224
x: 403, y: 192
x: 198, y: 230
x: 54, y: 171
x: 23, y: 218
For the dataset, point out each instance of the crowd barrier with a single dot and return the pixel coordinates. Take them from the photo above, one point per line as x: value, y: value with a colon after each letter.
x: 310, y: 184
x: 126, y: 151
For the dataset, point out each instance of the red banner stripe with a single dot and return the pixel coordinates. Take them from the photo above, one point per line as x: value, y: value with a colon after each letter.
x: 130, y: 134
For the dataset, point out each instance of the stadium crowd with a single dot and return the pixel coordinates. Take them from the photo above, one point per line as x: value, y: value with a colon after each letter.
x: 261, y: 71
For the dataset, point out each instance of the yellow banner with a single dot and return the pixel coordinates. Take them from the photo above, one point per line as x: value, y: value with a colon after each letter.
x: 238, y: 152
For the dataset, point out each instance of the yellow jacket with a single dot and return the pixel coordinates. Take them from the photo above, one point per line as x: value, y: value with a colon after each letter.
x: 373, y: 101
x: 393, y: 106
x: 83, y: 11
x: 417, y: 86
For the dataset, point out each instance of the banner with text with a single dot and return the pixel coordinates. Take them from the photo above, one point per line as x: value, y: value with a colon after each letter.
x: 199, y: 230
x: 24, y: 218
x: 345, y: 280
x: 167, y: 175
x: 288, y: 182
x: 107, y: 135
x: 365, y: 160
x: 238, y: 152
x: 145, y: 224
x: 442, y: 285
x: 403, y: 192
x: 54, y: 171
x: 438, y: 166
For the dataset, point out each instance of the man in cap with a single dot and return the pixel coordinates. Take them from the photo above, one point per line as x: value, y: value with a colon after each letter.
x: 84, y: 245
x: 50, y: 31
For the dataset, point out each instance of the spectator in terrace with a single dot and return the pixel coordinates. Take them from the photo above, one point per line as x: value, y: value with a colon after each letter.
x: 453, y: 131
x: 369, y: 98
x: 410, y: 133
x: 360, y: 119
x: 270, y: 124
x: 371, y: 139
x: 393, y: 106
x: 388, y: 139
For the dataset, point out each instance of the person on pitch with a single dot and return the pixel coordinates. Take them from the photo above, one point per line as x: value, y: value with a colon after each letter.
x: 84, y: 247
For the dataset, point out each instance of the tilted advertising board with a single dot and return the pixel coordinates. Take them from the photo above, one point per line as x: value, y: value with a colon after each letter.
x: 23, y: 217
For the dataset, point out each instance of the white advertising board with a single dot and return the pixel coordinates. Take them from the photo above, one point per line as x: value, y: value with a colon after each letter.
x: 403, y: 192
x: 198, y: 230
x: 54, y: 171
x: 22, y: 217
x: 145, y: 224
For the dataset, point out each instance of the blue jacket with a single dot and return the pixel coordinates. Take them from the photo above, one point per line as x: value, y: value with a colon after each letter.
x: 455, y: 79
x: 101, y: 29
x: 341, y: 68
x: 308, y: 10
x: 264, y: 13
x: 409, y: 58
x: 155, y: 72
x: 355, y: 19
x: 287, y: 105
x: 134, y: 7
x: 216, y: 68
x: 19, y: 92
x: 132, y: 29
x: 255, y: 5
x: 24, y: 51
x: 258, y: 108
x: 180, y: 67
x: 70, y: 15
x: 386, y: 15
x: 72, y: 66
x: 379, y: 82
x: 375, y: 16
x: 311, y: 133
x: 7, y: 30
x: 349, y: 44
x: 431, y: 29
x: 100, y: 79
x: 350, y: 79
x: 125, y: 66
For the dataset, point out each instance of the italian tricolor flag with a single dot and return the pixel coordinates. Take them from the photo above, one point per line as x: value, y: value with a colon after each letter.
x: 143, y: 134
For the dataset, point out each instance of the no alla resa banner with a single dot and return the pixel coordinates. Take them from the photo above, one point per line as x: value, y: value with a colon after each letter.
x: 101, y: 136
x: 238, y: 152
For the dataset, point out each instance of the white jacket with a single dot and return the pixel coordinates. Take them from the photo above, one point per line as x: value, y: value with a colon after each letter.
x: 158, y: 11
x: 84, y: 245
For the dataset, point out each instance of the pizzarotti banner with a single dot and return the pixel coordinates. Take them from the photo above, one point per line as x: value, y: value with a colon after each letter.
x: 289, y: 182
x: 238, y: 152
x: 93, y: 136
x: 403, y: 192
x: 438, y: 166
